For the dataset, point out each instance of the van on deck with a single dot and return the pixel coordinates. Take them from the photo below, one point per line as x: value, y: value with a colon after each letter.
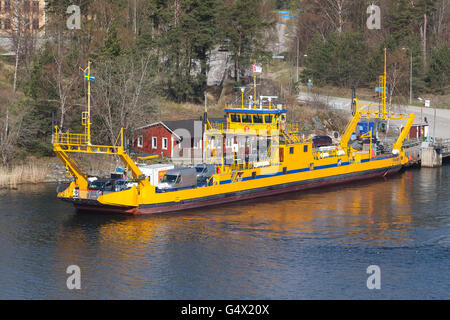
x: 179, y: 178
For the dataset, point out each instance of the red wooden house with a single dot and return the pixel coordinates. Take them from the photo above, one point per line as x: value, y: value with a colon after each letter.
x: 172, y: 139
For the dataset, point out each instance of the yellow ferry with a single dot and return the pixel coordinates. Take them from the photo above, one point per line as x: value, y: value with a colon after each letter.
x: 276, y: 158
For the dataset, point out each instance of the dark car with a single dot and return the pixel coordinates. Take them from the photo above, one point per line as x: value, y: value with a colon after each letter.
x: 204, y: 172
x: 108, y: 185
x: 322, y: 141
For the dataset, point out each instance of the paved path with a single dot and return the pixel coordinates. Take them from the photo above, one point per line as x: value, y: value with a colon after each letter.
x: 442, y: 115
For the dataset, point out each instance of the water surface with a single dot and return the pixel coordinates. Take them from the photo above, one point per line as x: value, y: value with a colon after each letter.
x: 307, y: 245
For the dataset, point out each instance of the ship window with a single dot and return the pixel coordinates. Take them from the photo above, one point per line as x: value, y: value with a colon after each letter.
x: 284, y: 170
x: 257, y: 119
x: 291, y: 150
x: 254, y: 175
x: 305, y: 148
x: 268, y: 119
x: 246, y: 118
x: 235, y: 118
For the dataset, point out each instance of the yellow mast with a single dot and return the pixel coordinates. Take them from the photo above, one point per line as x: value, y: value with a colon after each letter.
x: 365, y: 112
x: 89, y: 104
x: 86, y: 116
x: 254, y: 82
x: 385, y: 83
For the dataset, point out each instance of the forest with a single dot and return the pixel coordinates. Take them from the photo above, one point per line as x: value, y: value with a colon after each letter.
x: 147, y: 51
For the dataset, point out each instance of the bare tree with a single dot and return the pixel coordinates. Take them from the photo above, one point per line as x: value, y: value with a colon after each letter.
x: 334, y: 11
x: 121, y: 94
x: 398, y: 73
x: 23, y: 33
x: 10, y: 125
x: 443, y: 20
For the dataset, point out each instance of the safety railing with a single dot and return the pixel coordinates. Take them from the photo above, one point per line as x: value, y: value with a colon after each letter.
x: 218, y: 126
x: 76, y: 142
x: 89, y: 194
x: 259, y: 106
x: 70, y: 138
x: 370, y: 108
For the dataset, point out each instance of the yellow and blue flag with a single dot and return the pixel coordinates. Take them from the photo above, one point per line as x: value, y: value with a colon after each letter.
x: 89, y: 77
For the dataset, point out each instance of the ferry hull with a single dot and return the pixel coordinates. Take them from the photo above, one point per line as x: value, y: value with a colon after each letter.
x: 237, y: 196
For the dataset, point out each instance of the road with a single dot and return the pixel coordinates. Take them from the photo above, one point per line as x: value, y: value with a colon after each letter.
x: 442, y: 115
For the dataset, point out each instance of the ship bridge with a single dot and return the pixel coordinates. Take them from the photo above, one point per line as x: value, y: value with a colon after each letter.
x: 252, y: 130
x: 254, y: 118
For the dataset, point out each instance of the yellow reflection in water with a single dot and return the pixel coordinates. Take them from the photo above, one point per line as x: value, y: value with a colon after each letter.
x: 377, y: 210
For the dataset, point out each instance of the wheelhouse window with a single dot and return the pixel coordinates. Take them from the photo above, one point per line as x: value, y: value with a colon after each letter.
x: 154, y: 142
x: 268, y: 119
x: 257, y: 119
x: 246, y: 118
x: 235, y: 118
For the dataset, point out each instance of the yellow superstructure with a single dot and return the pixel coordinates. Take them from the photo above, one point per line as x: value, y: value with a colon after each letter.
x: 256, y: 153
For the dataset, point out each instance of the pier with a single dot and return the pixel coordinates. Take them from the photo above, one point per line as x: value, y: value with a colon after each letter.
x: 428, y: 155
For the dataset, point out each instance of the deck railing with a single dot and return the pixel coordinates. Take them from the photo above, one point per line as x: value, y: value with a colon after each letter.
x: 70, y: 138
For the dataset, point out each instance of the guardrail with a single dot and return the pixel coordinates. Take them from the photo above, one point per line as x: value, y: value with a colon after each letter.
x: 89, y: 194
x: 70, y: 138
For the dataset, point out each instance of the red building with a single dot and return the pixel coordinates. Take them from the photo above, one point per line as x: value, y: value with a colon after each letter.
x: 419, y: 131
x: 169, y: 138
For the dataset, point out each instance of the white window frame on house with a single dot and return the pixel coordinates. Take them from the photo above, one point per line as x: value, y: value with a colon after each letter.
x: 154, y: 142
x: 164, y: 143
x: 140, y: 141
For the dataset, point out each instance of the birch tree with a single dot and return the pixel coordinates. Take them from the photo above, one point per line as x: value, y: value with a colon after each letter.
x: 334, y: 11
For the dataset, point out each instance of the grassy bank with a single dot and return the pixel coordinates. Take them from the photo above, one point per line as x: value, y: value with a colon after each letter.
x: 31, y: 172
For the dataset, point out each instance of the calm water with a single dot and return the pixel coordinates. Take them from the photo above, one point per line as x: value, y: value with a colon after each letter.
x: 309, y: 245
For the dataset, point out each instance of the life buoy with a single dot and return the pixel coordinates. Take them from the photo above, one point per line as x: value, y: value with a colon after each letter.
x: 246, y: 128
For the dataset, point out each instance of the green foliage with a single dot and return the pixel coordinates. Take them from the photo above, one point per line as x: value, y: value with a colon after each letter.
x: 112, y: 46
x: 244, y: 26
x: 340, y: 60
x: 439, y: 70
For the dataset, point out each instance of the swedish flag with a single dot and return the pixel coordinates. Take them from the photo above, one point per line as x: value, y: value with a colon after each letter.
x: 89, y: 77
